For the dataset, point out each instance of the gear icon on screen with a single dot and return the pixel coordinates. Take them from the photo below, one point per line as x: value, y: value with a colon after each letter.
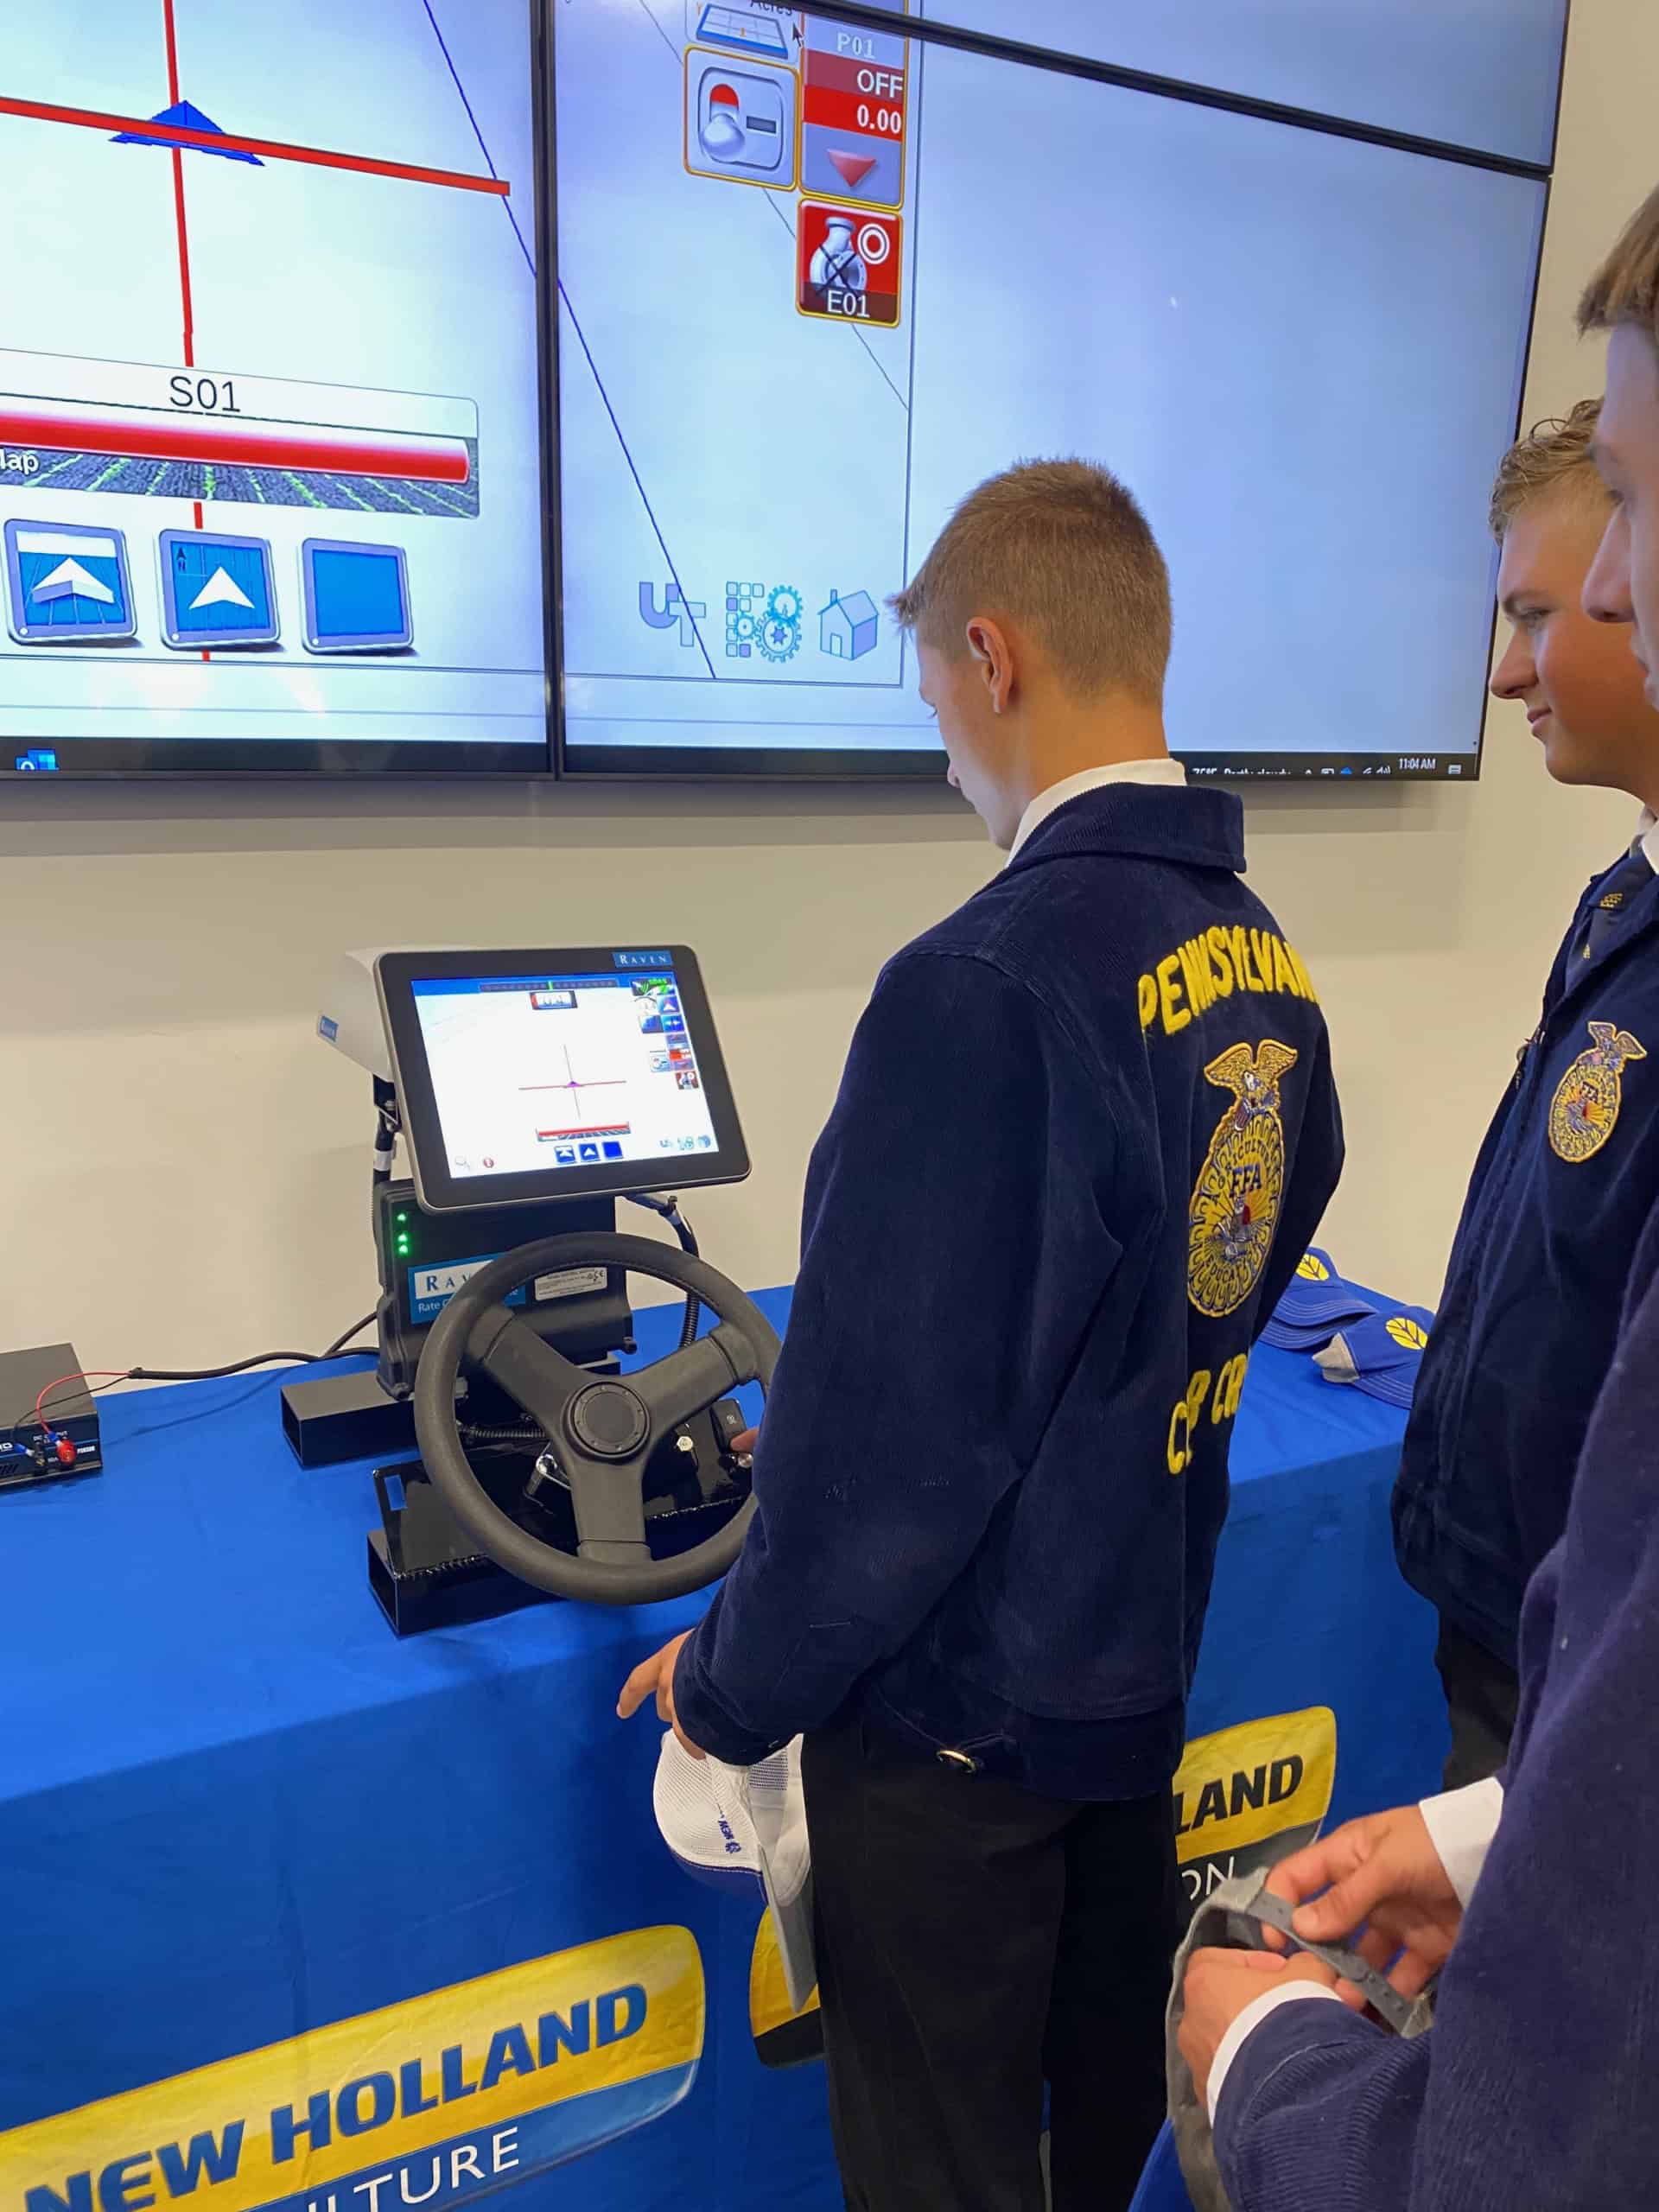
x: 743, y: 627
x: 779, y: 639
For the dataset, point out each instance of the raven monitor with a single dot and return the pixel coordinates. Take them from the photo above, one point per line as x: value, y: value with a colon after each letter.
x: 558, y: 1072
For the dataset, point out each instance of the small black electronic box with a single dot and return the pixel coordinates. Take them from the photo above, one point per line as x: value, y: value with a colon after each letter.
x: 48, y: 1423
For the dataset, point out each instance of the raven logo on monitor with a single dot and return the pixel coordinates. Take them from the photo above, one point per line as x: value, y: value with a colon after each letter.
x: 1236, y: 1206
x: 1587, y: 1105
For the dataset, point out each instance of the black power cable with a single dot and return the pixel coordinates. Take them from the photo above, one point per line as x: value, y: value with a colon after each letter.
x: 668, y: 1209
x: 386, y: 1131
x: 40, y: 1412
x: 241, y: 1366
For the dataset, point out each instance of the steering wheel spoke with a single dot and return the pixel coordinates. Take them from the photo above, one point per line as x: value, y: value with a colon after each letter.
x: 542, y: 1381
x: 688, y: 1381
x: 609, y: 1503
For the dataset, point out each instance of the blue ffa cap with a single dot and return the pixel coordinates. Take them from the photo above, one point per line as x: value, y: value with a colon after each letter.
x: 1318, y: 1302
x: 1381, y: 1355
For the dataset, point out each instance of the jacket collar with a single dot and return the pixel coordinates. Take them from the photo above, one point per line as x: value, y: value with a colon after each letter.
x: 1197, y: 828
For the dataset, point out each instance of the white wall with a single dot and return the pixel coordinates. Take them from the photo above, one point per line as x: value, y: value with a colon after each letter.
x: 182, y: 1166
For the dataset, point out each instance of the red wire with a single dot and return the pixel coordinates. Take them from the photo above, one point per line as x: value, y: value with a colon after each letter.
x: 86, y: 1375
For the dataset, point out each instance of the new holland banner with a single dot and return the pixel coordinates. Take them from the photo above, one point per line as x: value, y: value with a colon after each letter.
x: 1249, y: 1796
x: 429, y: 2102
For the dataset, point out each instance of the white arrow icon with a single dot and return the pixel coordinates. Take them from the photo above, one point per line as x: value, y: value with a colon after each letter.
x: 69, y: 580
x: 221, y: 589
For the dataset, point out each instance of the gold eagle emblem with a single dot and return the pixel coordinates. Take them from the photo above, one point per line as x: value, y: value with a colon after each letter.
x: 1585, y: 1109
x: 1235, y: 1208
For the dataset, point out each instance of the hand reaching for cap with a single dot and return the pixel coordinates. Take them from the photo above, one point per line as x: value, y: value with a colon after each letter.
x: 1383, y: 1876
x: 655, y: 1676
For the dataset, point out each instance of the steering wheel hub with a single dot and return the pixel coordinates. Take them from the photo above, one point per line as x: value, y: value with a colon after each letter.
x: 609, y: 1421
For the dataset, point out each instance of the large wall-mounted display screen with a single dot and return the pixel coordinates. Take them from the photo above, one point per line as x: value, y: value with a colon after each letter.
x: 816, y: 277
x: 270, y: 480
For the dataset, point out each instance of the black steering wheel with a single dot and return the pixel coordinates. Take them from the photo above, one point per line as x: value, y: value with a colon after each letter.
x: 603, y: 1430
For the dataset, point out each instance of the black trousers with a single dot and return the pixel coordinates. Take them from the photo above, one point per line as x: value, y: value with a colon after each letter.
x: 973, y: 1940
x: 1482, y: 1695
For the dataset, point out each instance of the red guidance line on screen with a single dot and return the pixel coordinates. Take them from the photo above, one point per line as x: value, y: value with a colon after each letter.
x: 267, y: 149
x: 198, y: 519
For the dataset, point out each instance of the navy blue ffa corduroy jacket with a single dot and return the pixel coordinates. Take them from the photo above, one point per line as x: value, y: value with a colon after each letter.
x: 1534, y: 2087
x: 1567, y: 1175
x: 1086, y: 1130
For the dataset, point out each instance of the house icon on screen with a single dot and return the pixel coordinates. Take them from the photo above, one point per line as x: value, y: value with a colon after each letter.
x: 848, y: 627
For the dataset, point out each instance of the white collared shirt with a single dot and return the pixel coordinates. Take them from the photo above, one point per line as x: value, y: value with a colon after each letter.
x: 1164, y: 771
x: 1647, y: 837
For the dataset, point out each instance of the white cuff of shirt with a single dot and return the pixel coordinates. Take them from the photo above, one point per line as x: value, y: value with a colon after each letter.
x: 1232, y: 2043
x: 1461, y: 1824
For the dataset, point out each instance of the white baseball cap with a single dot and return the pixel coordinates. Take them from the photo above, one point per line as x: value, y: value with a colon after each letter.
x: 743, y: 1830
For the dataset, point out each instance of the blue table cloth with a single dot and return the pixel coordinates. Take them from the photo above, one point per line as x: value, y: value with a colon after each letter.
x: 297, y: 1914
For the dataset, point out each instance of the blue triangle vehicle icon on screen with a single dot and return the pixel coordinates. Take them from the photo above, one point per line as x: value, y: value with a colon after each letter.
x: 184, y: 115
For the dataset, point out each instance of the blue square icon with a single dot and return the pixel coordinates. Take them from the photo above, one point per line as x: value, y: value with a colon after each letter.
x: 589, y: 1152
x: 68, y: 584
x: 40, y: 759
x: 216, y: 590
x: 565, y: 1154
x: 356, y: 597
x: 612, y: 1150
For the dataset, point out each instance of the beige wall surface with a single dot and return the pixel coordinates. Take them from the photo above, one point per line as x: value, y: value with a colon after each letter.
x: 184, y: 1167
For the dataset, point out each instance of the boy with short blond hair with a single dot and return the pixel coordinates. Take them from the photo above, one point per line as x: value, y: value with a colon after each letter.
x: 1571, y: 1165
x: 1086, y: 1132
x: 1535, y: 2086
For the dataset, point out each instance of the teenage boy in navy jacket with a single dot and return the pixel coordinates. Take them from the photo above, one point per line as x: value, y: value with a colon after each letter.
x: 1535, y: 2084
x: 1086, y: 1130
x: 1570, y: 1168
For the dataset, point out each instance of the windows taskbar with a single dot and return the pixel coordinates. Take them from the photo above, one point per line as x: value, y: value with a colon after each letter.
x: 1332, y: 767
x: 76, y: 757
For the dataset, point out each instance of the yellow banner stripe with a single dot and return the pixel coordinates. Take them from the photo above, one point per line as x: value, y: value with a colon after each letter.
x: 301, y: 2113
x: 1244, y: 1783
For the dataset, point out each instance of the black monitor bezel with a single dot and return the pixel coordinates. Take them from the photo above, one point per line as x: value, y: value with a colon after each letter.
x: 439, y: 1190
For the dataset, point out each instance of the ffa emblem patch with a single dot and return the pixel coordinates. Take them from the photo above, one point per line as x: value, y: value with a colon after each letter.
x: 1586, y: 1110
x: 1236, y: 1206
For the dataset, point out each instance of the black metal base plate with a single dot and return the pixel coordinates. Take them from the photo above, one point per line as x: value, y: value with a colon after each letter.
x: 426, y: 1572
